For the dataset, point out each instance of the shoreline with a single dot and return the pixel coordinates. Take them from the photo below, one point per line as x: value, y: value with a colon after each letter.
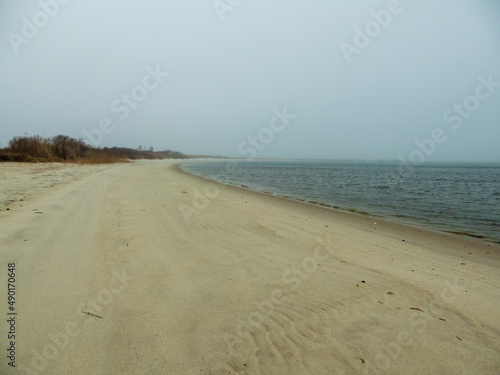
x: 410, y: 222
x: 118, y: 280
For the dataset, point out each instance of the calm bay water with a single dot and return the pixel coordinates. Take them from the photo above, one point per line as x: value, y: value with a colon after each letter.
x: 458, y: 198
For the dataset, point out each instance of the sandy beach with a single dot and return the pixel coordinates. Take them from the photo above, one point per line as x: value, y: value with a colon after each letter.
x: 141, y: 268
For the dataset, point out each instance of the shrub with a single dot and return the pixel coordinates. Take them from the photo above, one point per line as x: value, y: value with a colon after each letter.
x: 62, y: 148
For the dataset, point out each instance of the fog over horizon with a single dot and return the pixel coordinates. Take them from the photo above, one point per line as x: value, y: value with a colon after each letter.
x: 385, y: 80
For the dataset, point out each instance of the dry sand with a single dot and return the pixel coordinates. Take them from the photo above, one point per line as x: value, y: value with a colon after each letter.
x: 113, y: 278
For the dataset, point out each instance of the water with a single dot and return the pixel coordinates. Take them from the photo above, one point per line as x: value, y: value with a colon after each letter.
x: 459, y: 198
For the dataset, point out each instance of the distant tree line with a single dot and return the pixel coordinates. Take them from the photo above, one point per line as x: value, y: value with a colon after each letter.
x: 62, y: 148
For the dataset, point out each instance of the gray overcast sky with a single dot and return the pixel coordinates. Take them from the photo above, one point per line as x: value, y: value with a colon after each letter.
x: 355, y: 96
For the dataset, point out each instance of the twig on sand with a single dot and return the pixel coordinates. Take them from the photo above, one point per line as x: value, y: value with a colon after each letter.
x: 416, y: 308
x: 88, y: 313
